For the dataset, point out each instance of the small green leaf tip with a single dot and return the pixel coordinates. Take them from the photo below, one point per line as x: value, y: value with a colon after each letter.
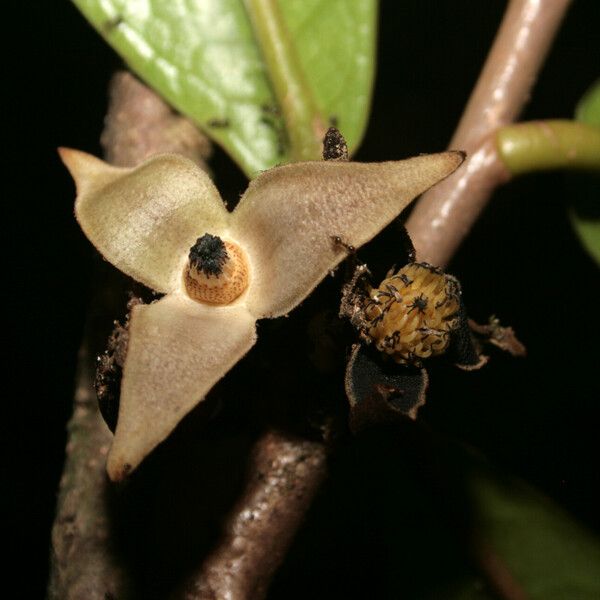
x: 588, y: 108
x: 585, y: 205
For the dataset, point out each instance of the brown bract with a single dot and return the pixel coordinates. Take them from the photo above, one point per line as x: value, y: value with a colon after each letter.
x: 145, y: 220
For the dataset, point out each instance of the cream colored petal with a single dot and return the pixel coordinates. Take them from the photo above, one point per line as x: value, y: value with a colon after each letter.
x: 288, y: 215
x: 144, y: 220
x: 178, y: 349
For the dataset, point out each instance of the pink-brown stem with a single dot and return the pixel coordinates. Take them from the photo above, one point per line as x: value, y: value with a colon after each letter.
x: 84, y: 564
x: 284, y: 474
x: 444, y: 215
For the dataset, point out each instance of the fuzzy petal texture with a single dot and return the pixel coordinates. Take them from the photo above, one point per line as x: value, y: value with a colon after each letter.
x: 144, y: 220
x: 178, y: 349
x: 288, y: 216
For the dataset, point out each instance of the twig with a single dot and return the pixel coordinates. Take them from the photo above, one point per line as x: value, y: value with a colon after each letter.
x: 82, y: 561
x: 84, y: 564
x: 139, y: 124
x: 444, y: 215
x: 552, y: 144
x: 283, y: 477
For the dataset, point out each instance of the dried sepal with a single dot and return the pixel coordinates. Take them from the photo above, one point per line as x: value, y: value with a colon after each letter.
x: 177, y: 350
x: 334, y: 145
x: 497, y: 335
x: 144, y: 220
x: 381, y: 391
x: 109, y: 370
x: 465, y: 351
x: 288, y: 215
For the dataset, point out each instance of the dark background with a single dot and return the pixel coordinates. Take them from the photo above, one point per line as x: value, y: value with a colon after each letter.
x: 537, y: 417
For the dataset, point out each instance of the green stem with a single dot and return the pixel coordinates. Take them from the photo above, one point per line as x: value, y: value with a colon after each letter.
x: 545, y: 145
x: 304, y: 122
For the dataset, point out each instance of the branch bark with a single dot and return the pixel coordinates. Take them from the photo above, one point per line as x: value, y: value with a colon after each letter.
x: 84, y: 563
x: 283, y: 477
x: 444, y: 215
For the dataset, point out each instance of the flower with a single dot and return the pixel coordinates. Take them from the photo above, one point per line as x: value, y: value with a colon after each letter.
x: 165, y: 224
x: 414, y: 314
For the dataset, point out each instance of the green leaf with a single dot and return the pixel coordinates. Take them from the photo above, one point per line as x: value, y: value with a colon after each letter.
x: 588, y: 109
x: 587, y: 226
x: 547, y: 552
x: 342, y: 80
x: 202, y: 57
x: 585, y: 207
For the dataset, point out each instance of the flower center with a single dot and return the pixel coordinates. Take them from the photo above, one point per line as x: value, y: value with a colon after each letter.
x: 216, y: 272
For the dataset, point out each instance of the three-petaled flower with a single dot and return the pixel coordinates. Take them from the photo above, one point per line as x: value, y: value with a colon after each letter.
x: 165, y: 224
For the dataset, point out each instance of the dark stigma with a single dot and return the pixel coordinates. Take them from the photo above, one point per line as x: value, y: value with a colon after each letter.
x: 209, y: 255
x: 419, y: 303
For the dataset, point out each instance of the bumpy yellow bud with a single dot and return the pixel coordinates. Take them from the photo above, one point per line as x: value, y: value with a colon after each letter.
x: 411, y: 314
